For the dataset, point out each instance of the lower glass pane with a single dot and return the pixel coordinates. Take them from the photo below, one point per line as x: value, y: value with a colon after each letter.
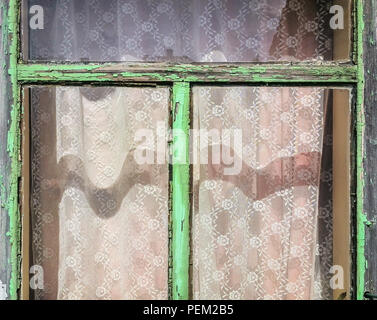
x: 270, y: 211
x: 99, y: 220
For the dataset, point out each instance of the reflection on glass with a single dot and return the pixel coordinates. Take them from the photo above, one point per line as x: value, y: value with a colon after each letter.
x: 99, y: 221
x: 186, y: 31
x: 266, y: 232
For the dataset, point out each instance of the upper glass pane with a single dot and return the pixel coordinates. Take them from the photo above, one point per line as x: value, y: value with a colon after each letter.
x: 187, y: 31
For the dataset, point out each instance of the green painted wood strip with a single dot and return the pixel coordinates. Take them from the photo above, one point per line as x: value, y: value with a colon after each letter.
x: 361, y: 218
x: 11, y: 27
x: 181, y: 189
x: 301, y: 73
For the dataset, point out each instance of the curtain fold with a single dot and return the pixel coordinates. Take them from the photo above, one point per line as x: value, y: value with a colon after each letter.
x: 99, y: 219
x: 258, y: 234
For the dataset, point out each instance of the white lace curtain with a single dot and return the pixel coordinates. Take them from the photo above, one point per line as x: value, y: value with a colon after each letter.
x: 265, y: 233
x: 181, y: 30
x: 99, y: 221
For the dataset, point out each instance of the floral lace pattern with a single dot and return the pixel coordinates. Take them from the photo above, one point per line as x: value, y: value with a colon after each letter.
x: 99, y: 220
x: 182, y: 31
x: 266, y: 233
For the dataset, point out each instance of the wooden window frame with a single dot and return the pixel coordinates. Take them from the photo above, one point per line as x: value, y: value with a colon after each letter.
x: 181, y: 77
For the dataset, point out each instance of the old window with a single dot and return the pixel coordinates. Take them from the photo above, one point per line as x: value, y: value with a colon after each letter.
x: 188, y: 149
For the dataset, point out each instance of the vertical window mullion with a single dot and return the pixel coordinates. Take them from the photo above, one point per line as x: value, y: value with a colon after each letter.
x: 180, y: 191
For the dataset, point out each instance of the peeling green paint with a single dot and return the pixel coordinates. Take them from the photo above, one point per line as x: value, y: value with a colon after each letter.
x: 118, y: 72
x: 181, y: 75
x: 13, y: 148
x: 369, y: 223
x: 361, y: 218
x: 181, y: 191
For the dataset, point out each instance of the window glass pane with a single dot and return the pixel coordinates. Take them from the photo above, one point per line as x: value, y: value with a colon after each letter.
x: 270, y: 215
x: 187, y: 31
x: 99, y: 218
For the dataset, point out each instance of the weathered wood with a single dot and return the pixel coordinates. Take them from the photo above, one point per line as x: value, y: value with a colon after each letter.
x: 10, y: 161
x: 181, y: 189
x: 280, y: 73
x: 5, y: 102
x: 302, y: 73
x: 370, y: 143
